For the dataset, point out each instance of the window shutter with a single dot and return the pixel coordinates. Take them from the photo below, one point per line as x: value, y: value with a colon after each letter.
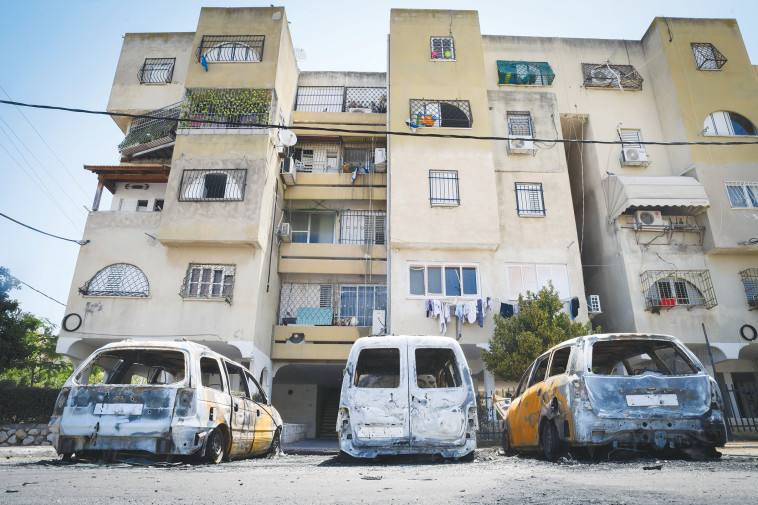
x: 561, y: 281
x: 631, y: 138
x: 514, y: 282
x: 326, y: 296
x: 529, y: 274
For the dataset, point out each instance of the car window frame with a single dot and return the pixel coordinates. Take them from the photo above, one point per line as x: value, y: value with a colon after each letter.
x: 260, y: 389
x: 549, y: 373
x: 222, y: 374
x: 524, y: 380
x: 227, y: 364
x: 544, y: 357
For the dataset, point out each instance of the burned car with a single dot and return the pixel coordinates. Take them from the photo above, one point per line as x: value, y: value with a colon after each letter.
x: 407, y: 395
x: 163, y: 398
x: 634, y: 391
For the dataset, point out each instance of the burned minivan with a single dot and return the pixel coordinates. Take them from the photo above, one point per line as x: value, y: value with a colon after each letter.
x: 163, y: 398
x: 407, y: 395
x: 615, y: 391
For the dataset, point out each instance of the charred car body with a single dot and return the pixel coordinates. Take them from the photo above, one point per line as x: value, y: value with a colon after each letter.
x: 164, y: 398
x: 407, y: 395
x: 636, y: 391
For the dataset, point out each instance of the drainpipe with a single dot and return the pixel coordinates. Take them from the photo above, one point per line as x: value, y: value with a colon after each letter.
x: 387, y: 316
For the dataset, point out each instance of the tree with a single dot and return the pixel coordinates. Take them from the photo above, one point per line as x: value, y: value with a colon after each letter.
x: 538, y: 326
x: 13, y: 325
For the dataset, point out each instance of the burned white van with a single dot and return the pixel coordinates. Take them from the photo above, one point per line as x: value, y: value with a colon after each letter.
x: 163, y: 398
x: 407, y: 395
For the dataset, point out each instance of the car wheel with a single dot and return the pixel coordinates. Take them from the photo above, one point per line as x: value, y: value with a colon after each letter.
x: 549, y: 441
x: 67, y: 457
x: 507, y: 449
x: 214, y: 447
x: 276, y: 444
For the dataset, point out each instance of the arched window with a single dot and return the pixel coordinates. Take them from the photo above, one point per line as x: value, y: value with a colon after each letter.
x: 120, y: 279
x: 728, y: 124
x: 231, y: 51
x: 675, y: 291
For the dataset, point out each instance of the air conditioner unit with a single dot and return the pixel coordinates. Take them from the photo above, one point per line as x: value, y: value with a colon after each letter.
x: 648, y: 218
x: 520, y: 146
x: 288, y: 171
x: 285, y: 232
x: 593, y: 304
x: 359, y: 109
x: 634, y: 156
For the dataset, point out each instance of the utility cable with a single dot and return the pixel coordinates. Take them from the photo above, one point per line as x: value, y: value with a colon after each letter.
x: 80, y: 242
x: 388, y: 132
x: 34, y: 289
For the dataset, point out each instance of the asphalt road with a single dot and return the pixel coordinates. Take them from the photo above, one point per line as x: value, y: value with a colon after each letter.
x: 37, y: 477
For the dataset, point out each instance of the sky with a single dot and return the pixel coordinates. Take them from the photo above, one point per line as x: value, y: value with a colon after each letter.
x: 65, y: 53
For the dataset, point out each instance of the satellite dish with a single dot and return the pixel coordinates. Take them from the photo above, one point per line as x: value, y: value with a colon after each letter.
x: 287, y: 137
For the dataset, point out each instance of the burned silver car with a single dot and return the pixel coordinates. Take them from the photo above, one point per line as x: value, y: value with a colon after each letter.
x: 635, y: 391
x: 407, y: 395
x: 164, y: 398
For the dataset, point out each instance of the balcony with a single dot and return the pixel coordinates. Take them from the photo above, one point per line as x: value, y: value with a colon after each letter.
x: 528, y: 73
x: 226, y: 111
x: 154, y: 136
x: 368, y: 100
x: 605, y: 75
x: 340, y: 155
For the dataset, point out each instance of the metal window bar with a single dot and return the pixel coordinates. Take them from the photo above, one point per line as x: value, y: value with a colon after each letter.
x: 442, y: 48
x: 226, y: 185
x: 605, y: 75
x: 362, y: 227
x: 707, y: 57
x: 740, y: 407
x: 208, y: 281
x: 742, y: 195
x: 443, y: 188
x: 630, y: 138
x: 341, y: 99
x: 664, y: 289
x: 358, y: 302
x: 440, y: 113
x: 146, y: 132
x: 536, y: 73
x: 490, y: 424
x: 318, y: 157
x: 120, y: 279
x: 230, y: 108
x: 520, y: 124
x: 156, y: 71
x: 297, y: 295
x: 529, y: 199
x: 226, y: 48
x: 750, y: 283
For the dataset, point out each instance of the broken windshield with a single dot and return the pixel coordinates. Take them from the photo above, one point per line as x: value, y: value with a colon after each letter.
x: 135, y: 367
x: 638, y: 356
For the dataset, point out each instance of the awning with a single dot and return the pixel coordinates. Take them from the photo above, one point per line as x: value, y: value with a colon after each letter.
x: 624, y: 191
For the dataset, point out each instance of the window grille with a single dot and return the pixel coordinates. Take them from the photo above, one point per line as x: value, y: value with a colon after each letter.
x: 362, y: 227
x: 442, y: 48
x: 156, y: 71
x: 341, y: 99
x: 213, y: 185
x: 227, y: 108
x: 630, y: 138
x: 120, y: 279
x: 742, y: 195
x: 605, y: 75
x: 357, y: 303
x: 537, y: 73
x: 669, y: 288
x: 226, y: 48
x: 144, y: 133
x: 317, y: 157
x: 295, y: 296
x: 443, y: 187
x: 725, y: 123
x: 208, y: 281
x: 529, y: 199
x: 520, y: 124
x: 707, y: 57
x: 441, y: 113
x: 750, y: 282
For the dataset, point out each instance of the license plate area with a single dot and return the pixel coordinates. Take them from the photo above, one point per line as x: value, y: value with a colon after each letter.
x: 662, y: 400
x: 120, y: 409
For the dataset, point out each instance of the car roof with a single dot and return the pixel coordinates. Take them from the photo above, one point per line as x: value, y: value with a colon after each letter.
x: 613, y: 336
x: 398, y: 340
x: 160, y: 344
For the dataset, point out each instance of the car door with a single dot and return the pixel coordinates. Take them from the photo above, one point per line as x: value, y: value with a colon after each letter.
x: 531, y: 401
x: 243, y: 411
x: 438, y: 394
x: 264, y: 425
x: 377, y: 396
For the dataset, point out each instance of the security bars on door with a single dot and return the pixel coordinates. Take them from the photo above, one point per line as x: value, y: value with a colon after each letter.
x: 228, y: 48
x: 440, y: 113
x: 156, y: 71
x: 213, y: 185
x: 341, y: 99
x: 443, y: 188
x: 362, y: 227
x: 529, y: 199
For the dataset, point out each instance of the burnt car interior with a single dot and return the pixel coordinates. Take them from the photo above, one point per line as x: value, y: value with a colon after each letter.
x: 378, y: 368
x: 210, y: 374
x: 637, y: 357
x: 135, y: 367
x: 437, y: 368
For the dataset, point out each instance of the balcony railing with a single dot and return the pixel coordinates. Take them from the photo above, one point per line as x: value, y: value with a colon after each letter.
x: 536, y: 73
x: 310, y: 304
x: 145, y: 134
x: 341, y: 99
x: 226, y: 108
x: 605, y: 75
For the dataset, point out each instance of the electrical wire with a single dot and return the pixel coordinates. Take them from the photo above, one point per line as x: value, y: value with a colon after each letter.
x: 388, y: 132
x: 80, y: 242
x: 34, y: 289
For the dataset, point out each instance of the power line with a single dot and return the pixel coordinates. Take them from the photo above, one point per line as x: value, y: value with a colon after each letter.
x: 364, y: 132
x: 37, y: 290
x: 80, y: 242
